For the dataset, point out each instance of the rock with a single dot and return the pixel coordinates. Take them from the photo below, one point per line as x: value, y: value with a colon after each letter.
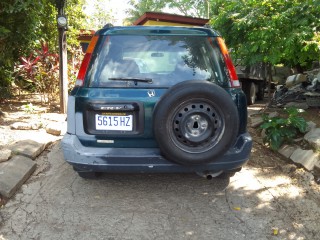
x: 21, y: 126
x: 28, y: 148
x: 14, y: 173
x: 4, y: 114
x: 311, y: 125
x: 306, y: 158
x: 299, y: 105
x: 35, y: 125
x: 286, y: 150
x: 26, y: 126
x: 313, y: 98
x: 313, y: 137
x: 5, y: 154
x: 54, y: 128
x: 273, y: 114
x: 295, y: 79
x: 256, y: 121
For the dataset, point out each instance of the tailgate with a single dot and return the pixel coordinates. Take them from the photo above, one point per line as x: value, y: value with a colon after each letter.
x: 116, y: 117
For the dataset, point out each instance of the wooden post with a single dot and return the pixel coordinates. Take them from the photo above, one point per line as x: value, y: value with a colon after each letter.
x: 63, y: 60
x: 63, y: 70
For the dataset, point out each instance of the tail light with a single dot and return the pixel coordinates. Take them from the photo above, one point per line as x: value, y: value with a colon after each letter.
x: 232, y: 71
x: 85, y: 62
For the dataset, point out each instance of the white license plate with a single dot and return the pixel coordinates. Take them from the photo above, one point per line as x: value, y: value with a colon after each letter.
x: 117, y: 123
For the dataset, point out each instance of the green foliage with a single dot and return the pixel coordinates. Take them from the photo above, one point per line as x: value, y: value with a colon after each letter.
x: 193, y: 8
x: 74, y: 63
x: 139, y: 7
x: 5, y: 82
x: 24, y: 25
x: 99, y: 14
x: 76, y: 21
x: 270, y: 31
x: 19, y: 23
x: 275, y: 31
x: 279, y: 130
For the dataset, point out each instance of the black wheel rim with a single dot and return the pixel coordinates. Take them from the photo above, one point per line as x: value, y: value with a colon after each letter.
x: 197, y: 126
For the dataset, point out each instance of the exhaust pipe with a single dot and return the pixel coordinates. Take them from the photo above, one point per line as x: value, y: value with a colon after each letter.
x: 209, y: 175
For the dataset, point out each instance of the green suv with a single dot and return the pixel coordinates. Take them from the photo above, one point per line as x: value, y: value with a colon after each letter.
x: 157, y: 99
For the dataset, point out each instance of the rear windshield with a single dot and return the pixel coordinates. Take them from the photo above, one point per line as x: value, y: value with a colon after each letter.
x: 149, y: 61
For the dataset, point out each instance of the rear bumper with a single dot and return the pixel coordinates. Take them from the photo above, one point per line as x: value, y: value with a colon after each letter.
x: 146, y: 160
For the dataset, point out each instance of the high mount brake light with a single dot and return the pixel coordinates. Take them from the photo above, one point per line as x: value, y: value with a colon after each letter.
x: 232, y: 71
x: 85, y: 62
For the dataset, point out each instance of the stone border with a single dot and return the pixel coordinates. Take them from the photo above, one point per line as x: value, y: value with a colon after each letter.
x: 18, y: 168
x: 17, y: 160
x: 309, y: 159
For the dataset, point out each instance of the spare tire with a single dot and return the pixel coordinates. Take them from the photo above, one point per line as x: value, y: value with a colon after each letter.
x: 195, y: 122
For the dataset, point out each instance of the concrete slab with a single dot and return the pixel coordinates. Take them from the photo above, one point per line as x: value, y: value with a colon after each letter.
x: 26, y: 126
x: 14, y: 173
x: 286, y: 150
x: 306, y: 158
x: 313, y: 137
x: 21, y: 126
x: 28, y: 148
x: 310, y: 126
x: 253, y: 110
x: 273, y: 114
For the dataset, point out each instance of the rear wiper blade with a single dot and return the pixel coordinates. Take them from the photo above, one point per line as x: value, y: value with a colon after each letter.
x: 135, y: 80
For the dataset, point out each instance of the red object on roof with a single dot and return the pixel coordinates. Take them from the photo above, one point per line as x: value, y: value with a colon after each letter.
x: 85, y: 35
x: 173, y: 18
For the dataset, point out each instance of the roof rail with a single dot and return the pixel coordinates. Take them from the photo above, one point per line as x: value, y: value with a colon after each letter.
x: 108, y: 25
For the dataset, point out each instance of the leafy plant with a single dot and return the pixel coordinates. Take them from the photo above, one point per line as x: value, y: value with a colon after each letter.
x: 23, y: 26
x: 279, y: 130
x: 270, y: 31
x: 41, y: 72
x: 28, y: 108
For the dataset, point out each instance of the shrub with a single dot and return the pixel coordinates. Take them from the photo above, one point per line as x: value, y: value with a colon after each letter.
x: 5, y: 83
x: 279, y: 130
x: 28, y: 108
x: 39, y: 73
